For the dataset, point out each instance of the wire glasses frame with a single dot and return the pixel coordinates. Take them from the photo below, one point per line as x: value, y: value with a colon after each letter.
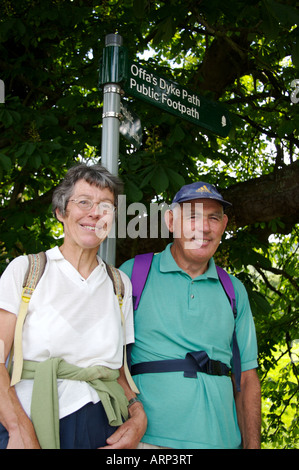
x: 87, y: 204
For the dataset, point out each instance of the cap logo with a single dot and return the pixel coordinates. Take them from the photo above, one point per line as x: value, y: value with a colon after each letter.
x: 203, y: 189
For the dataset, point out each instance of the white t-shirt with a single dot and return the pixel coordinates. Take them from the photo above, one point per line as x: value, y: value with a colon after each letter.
x: 69, y: 317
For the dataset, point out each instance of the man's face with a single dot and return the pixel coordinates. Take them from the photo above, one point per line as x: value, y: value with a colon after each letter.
x: 197, y: 227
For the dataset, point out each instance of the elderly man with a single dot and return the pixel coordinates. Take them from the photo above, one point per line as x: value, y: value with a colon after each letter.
x: 183, y: 309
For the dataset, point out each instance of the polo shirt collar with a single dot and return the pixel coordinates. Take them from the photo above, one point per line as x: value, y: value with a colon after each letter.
x: 168, y: 264
x: 54, y: 253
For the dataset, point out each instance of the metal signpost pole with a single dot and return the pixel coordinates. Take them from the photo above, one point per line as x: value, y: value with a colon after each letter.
x: 110, y: 76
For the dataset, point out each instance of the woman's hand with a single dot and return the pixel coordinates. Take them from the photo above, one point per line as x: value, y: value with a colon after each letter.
x: 129, y: 434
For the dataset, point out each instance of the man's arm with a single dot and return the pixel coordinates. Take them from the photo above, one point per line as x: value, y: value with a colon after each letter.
x: 248, y: 405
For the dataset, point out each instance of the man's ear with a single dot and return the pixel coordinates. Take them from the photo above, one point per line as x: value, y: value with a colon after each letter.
x: 225, y: 222
x: 168, y: 217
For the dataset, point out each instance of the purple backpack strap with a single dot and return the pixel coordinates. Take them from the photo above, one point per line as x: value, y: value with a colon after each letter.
x: 141, y: 267
x: 230, y: 292
x: 227, y: 286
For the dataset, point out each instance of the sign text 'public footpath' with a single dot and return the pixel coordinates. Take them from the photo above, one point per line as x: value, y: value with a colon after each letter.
x: 147, y: 85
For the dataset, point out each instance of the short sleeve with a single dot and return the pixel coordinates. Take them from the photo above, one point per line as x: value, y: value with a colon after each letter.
x: 11, y: 283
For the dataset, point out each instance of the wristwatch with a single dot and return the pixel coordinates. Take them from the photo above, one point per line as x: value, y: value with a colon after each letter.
x: 132, y: 401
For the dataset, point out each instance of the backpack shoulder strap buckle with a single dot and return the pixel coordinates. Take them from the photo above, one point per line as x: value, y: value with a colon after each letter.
x: 26, y: 294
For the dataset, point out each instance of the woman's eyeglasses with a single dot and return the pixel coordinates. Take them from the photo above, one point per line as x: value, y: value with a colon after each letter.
x: 84, y: 204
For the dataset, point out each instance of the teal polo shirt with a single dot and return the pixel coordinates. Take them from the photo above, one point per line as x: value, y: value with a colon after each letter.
x: 176, y: 315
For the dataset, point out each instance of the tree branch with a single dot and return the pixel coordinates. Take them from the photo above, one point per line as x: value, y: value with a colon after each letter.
x: 280, y: 272
x: 268, y: 197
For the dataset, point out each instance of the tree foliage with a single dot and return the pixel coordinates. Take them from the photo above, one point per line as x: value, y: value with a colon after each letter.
x: 242, y: 54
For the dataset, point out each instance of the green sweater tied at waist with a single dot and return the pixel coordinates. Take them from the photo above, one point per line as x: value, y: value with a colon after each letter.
x: 45, y: 406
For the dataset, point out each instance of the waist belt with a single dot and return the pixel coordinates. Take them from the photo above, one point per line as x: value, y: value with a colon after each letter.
x: 194, y: 362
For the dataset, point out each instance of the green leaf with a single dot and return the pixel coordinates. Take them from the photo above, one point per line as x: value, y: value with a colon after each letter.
x: 139, y: 8
x: 177, y: 136
x: 286, y: 128
x: 259, y: 304
x: 177, y: 180
x: 285, y: 14
x: 8, y: 117
x: 160, y: 180
x: 36, y: 160
x: 26, y: 149
x: 5, y: 162
x: 148, y: 175
x: 165, y: 30
x: 269, y: 23
x: 295, y: 53
x: 132, y: 191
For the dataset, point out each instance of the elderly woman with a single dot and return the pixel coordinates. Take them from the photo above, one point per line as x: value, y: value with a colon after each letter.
x: 72, y: 332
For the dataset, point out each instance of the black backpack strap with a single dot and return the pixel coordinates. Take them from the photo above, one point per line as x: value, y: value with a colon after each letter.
x: 194, y: 362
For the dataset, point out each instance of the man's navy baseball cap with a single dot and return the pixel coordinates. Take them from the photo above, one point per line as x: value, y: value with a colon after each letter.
x: 199, y: 190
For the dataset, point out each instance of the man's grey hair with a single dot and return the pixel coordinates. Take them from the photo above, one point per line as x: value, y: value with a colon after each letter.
x: 95, y: 175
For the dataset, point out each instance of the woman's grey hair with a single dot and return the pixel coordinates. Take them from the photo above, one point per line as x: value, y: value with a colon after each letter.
x: 95, y: 175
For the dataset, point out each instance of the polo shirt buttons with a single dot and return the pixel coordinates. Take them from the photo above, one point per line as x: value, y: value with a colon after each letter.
x: 192, y: 295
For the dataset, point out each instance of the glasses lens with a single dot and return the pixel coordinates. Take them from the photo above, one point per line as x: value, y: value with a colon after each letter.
x: 84, y: 204
x: 106, y: 208
x: 87, y: 204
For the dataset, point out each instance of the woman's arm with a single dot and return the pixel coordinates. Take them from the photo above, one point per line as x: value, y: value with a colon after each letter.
x: 12, y: 416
